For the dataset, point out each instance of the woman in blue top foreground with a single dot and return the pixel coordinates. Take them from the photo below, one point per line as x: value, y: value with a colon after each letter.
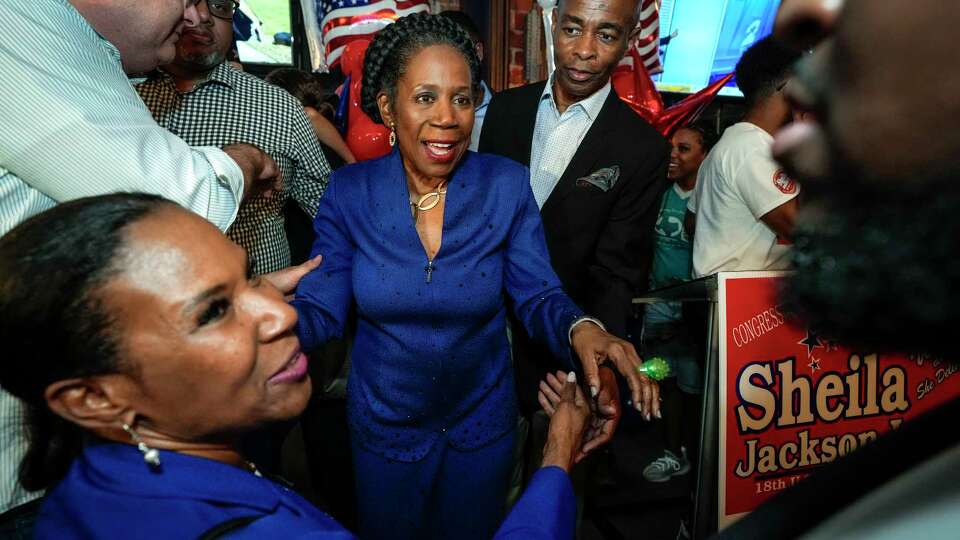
x: 144, y: 352
x: 432, y: 242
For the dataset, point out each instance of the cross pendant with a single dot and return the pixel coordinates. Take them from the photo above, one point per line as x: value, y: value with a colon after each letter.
x: 429, y: 270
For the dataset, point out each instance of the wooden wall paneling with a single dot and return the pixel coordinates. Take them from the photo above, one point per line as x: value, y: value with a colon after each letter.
x: 498, y: 59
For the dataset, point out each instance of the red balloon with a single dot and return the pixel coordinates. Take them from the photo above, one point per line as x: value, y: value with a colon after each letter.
x: 636, y: 88
x: 351, y: 61
x: 689, y: 109
x: 366, y: 139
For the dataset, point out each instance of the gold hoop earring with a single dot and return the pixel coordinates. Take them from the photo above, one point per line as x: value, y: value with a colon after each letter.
x: 393, y: 135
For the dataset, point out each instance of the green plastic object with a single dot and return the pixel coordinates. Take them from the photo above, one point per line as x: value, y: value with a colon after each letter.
x: 656, y: 368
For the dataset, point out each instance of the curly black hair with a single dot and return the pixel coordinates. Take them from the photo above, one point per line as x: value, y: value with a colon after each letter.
x: 706, y: 134
x: 764, y: 68
x: 316, y: 90
x: 387, y: 57
x: 300, y: 84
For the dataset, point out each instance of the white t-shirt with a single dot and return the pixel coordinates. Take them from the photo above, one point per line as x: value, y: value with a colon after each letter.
x: 738, y: 183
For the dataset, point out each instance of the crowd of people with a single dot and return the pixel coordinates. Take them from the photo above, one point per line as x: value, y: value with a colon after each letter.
x: 158, y: 330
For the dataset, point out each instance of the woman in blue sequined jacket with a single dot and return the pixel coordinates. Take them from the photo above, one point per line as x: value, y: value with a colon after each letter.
x: 433, y: 244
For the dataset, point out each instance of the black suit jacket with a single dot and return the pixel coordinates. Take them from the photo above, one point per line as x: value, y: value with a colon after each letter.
x: 600, y: 243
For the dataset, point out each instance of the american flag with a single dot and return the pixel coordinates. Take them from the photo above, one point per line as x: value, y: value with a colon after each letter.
x: 343, y: 21
x: 647, y: 41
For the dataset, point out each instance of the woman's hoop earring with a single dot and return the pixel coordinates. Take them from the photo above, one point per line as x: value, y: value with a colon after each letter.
x: 393, y: 135
x: 151, y: 456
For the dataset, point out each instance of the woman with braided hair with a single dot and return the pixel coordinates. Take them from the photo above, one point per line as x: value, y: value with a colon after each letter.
x: 433, y: 242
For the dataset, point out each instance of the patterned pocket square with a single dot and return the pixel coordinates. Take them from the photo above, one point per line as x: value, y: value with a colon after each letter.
x: 604, y: 179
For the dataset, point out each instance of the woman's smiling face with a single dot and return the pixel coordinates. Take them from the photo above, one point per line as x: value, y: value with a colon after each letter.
x: 433, y: 111
x: 211, y: 352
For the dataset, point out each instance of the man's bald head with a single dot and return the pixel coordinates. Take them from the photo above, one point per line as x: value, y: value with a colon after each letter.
x: 637, y: 8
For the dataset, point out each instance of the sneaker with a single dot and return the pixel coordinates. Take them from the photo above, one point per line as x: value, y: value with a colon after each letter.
x: 668, y: 466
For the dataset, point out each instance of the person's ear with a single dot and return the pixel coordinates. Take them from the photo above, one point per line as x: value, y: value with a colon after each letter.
x: 386, y: 110
x: 94, y: 403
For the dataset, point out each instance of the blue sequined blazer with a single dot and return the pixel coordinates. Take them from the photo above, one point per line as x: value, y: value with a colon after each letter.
x: 431, y: 360
x: 110, y: 492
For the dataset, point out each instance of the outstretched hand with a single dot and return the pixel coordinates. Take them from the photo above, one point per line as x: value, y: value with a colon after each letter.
x: 567, y: 425
x: 594, y: 346
x: 286, y: 280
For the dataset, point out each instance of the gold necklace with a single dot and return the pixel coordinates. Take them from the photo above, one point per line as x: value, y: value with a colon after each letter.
x: 427, y: 201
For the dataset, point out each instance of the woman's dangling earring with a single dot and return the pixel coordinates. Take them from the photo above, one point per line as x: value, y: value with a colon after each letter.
x: 393, y: 135
x: 151, y: 456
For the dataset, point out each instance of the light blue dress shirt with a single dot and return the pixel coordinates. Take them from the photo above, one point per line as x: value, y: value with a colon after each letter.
x: 73, y: 125
x: 557, y: 136
x: 479, y: 115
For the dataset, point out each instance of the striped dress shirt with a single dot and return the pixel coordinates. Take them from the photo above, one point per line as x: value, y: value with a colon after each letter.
x: 72, y: 126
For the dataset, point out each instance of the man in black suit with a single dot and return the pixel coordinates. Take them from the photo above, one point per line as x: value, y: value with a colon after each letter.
x: 598, y: 169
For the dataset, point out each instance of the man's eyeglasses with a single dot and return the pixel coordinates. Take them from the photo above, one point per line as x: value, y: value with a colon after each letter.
x: 221, y: 9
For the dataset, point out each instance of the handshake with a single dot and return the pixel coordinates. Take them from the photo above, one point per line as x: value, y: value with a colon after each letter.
x: 578, y: 426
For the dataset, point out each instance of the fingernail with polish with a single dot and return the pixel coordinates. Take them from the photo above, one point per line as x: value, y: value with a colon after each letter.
x: 660, y: 416
x: 593, y: 391
x: 647, y: 416
x: 638, y: 407
x: 572, y: 377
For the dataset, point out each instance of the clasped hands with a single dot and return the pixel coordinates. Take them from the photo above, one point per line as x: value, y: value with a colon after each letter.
x: 600, y: 353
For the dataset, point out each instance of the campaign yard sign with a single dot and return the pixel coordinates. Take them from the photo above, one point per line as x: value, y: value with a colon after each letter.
x: 791, y: 400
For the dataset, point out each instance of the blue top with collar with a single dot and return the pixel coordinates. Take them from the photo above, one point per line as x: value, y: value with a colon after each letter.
x: 110, y: 492
x: 431, y: 360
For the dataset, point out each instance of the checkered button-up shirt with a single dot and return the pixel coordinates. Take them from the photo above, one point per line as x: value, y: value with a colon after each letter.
x: 234, y: 107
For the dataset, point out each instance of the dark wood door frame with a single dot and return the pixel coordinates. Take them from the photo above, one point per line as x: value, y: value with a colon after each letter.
x: 498, y: 43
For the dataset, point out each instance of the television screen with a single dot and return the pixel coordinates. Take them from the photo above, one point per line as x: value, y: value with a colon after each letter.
x: 702, y: 40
